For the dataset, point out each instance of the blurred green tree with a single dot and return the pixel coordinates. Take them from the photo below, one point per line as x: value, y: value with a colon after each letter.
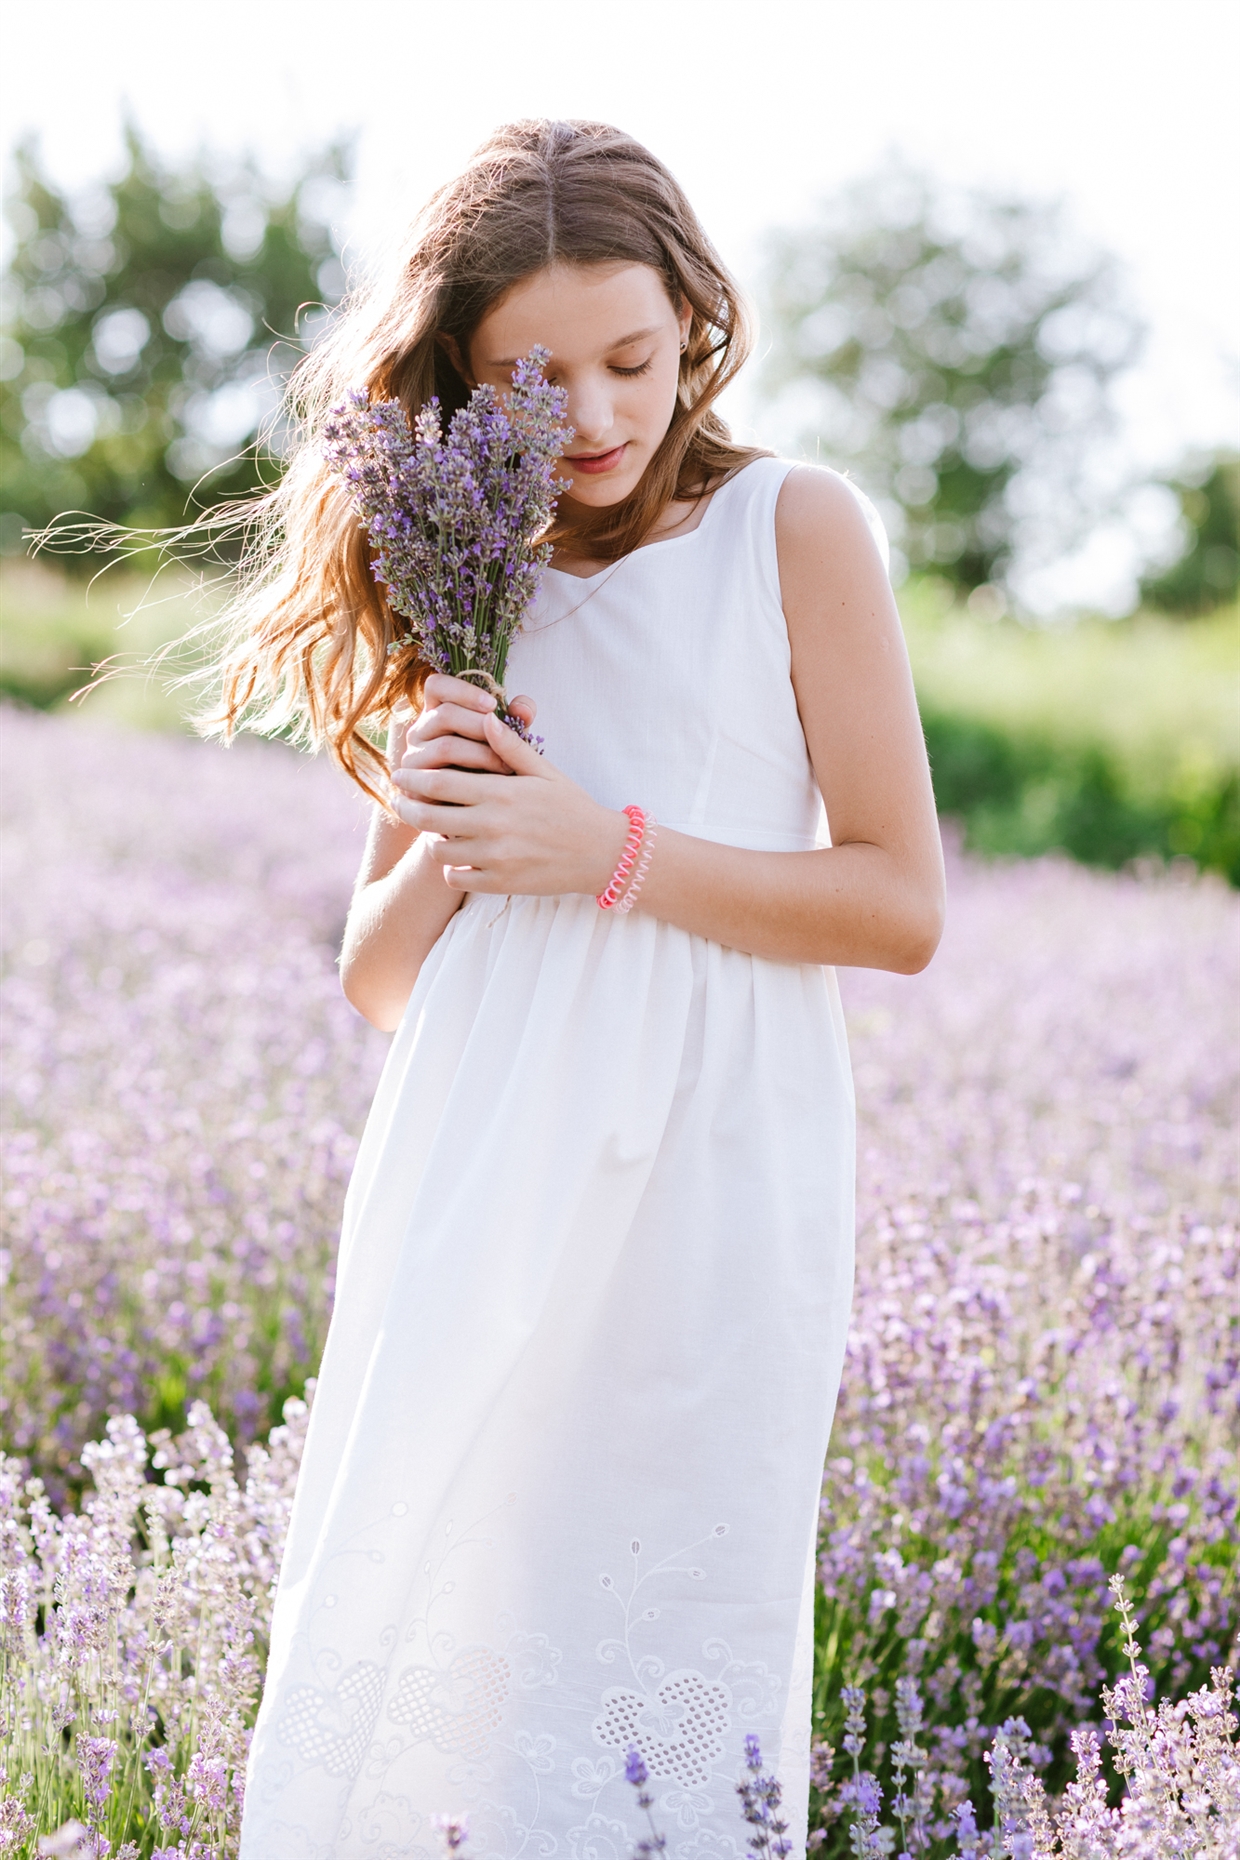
x: 149, y: 327
x: 1207, y: 572
x: 955, y: 351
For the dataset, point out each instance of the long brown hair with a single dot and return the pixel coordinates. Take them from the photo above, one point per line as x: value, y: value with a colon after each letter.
x: 310, y: 629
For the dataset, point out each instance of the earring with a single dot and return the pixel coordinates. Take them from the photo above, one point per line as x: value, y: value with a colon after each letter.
x: 684, y: 345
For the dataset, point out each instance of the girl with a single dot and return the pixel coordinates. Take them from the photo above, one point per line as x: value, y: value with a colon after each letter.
x: 560, y: 1491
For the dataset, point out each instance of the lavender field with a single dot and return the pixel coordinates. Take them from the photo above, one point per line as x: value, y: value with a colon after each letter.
x: 1044, y: 1370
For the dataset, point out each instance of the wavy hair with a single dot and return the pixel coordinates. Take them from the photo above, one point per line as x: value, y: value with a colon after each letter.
x: 309, y: 628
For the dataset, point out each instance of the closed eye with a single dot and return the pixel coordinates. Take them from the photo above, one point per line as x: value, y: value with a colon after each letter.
x: 641, y: 369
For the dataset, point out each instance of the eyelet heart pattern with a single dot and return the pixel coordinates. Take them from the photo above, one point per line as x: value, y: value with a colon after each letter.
x: 679, y: 1732
x: 456, y: 1709
x: 334, y: 1728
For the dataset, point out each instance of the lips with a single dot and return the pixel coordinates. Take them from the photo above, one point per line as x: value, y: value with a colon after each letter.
x: 598, y: 461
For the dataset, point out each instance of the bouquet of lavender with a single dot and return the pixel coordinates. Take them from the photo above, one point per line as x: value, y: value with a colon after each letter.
x: 455, y: 518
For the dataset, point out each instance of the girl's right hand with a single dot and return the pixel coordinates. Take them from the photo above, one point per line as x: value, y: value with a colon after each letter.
x: 448, y: 732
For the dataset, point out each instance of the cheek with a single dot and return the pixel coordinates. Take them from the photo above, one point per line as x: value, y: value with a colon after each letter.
x: 658, y: 398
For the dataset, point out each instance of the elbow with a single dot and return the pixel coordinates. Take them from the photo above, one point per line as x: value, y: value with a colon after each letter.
x: 894, y: 908
x: 913, y: 956
x: 921, y: 932
x: 383, y: 1012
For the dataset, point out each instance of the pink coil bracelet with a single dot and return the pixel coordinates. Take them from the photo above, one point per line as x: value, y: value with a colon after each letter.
x: 634, y: 863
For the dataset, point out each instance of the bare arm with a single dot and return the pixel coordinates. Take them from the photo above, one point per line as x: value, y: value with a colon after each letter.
x: 874, y: 899
x: 401, y: 905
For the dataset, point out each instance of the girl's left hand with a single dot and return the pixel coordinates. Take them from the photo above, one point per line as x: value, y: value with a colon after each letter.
x: 533, y: 833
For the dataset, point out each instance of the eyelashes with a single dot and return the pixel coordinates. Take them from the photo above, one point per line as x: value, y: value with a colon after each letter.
x: 627, y: 374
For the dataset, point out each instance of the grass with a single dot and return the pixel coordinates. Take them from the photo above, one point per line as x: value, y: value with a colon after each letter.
x: 1149, y: 692
x: 1111, y: 740
x: 54, y: 629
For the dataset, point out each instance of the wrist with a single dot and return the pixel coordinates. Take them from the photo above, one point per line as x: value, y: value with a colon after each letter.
x: 629, y: 874
x: 611, y: 840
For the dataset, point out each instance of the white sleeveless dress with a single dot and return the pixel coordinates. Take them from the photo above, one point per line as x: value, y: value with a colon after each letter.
x: 561, y: 1484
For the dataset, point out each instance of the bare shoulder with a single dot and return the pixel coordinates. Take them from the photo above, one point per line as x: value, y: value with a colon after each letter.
x: 828, y: 554
x: 817, y: 506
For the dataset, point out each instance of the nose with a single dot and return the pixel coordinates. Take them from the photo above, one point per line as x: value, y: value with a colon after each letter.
x: 590, y: 412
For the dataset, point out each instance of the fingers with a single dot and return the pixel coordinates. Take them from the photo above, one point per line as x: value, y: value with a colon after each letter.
x: 453, y: 707
x: 444, y: 736
x: 459, y: 752
x: 450, y: 802
x: 465, y: 878
x: 447, y: 719
x: 441, y: 819
x: 441, y: 688
x: 448, y: 787
x: 515, y: 754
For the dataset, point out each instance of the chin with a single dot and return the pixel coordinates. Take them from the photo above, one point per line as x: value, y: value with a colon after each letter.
x: 601, y: 494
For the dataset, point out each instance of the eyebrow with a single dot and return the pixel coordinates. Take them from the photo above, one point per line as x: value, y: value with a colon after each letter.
x: 623, y: 342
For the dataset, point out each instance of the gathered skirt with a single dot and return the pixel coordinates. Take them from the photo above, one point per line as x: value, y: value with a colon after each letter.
x: 560, y: 1491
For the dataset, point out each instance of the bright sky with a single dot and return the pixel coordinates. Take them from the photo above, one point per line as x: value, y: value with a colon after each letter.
x: 1124, y: 107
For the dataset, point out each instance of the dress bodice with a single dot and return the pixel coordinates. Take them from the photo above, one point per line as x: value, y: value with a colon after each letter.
x: 664, y: 679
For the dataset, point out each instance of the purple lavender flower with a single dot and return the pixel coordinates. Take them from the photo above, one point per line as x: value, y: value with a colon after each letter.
x: 150, y: 1575
x: 453, y: 1831
x: 761, y: 1801
x: 96, y: 1756
x: 911, y: 1806
x: 635, y: 1772
x: 66, y: 1843
x: 968, y: 1840
x: 864, y: 1796
x: 454, y: 518
x: 854, y: 1723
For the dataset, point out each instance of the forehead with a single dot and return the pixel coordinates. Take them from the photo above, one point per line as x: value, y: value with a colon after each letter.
x: 571, y: 306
